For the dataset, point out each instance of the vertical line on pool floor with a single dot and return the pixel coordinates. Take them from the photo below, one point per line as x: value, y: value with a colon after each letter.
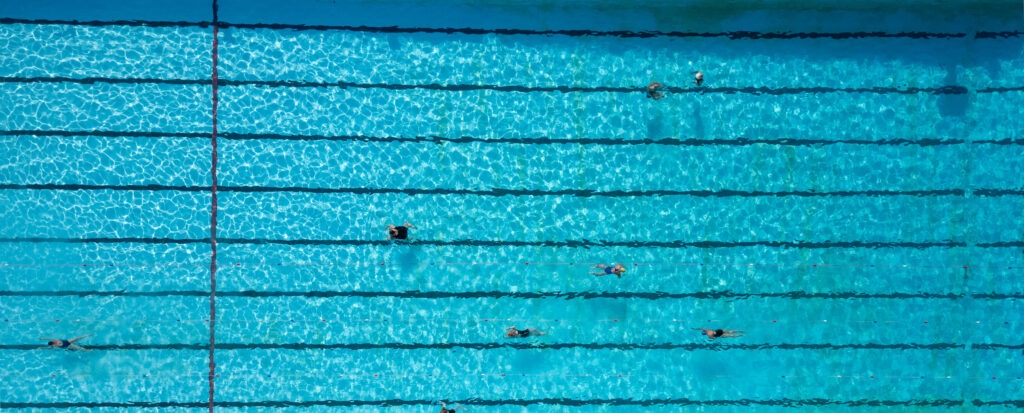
x: 213, y: 211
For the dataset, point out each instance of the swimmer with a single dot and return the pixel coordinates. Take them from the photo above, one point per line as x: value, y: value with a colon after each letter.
x: 698, y: 78
x: 652, y: 91
x: 617, y: 269
x: 513, y: 332
x: 400, y: 232
x: 65, y: 344
x: 445, y: 409
x: 719, y: 333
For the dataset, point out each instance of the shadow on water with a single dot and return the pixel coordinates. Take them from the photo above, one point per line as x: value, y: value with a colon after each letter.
x: 952, y: 105
x: 655, y: 127
x: 394, y: 43
x: 698, y: 120
x: 530, y: 362
x: 405, y: 256
x: 694, y: 125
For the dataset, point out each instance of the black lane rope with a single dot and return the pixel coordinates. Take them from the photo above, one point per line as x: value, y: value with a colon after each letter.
x: 583, y: 243
x: 498, y: 294
x: 690, y: 347
x: 298, y: 83
x: 213, y: 214
x: 498, y: 192
x: 537, y: 140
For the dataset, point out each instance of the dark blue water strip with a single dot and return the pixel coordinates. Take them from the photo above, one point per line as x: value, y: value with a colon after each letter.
x: 738, y: 141
x: 938, y: 90
x: 528, y: 346
x: 735, y: 35
x: 573, y: 33
x: 561, y: 295
x: 582, y: 193
x: 97, y: 23
x: 784, y: 402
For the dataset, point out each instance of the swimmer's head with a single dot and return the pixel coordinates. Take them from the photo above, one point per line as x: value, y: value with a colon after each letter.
x: 511, y: 333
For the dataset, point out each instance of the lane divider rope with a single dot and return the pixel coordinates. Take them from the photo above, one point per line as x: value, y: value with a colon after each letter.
x: 213, y: 211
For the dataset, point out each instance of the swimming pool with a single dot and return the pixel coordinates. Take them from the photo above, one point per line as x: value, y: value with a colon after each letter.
x: 844, y: 187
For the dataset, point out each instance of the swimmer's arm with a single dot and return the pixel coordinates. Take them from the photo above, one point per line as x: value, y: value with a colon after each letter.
x: 79, y: 338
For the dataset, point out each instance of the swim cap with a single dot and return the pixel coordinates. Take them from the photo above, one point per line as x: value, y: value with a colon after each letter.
x: 622, y: 270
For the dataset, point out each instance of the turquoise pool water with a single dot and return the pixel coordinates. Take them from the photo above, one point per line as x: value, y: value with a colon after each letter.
x: 845, y: 187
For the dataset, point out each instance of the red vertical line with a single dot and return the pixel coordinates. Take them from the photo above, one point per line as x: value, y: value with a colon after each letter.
x: 213, y: 212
